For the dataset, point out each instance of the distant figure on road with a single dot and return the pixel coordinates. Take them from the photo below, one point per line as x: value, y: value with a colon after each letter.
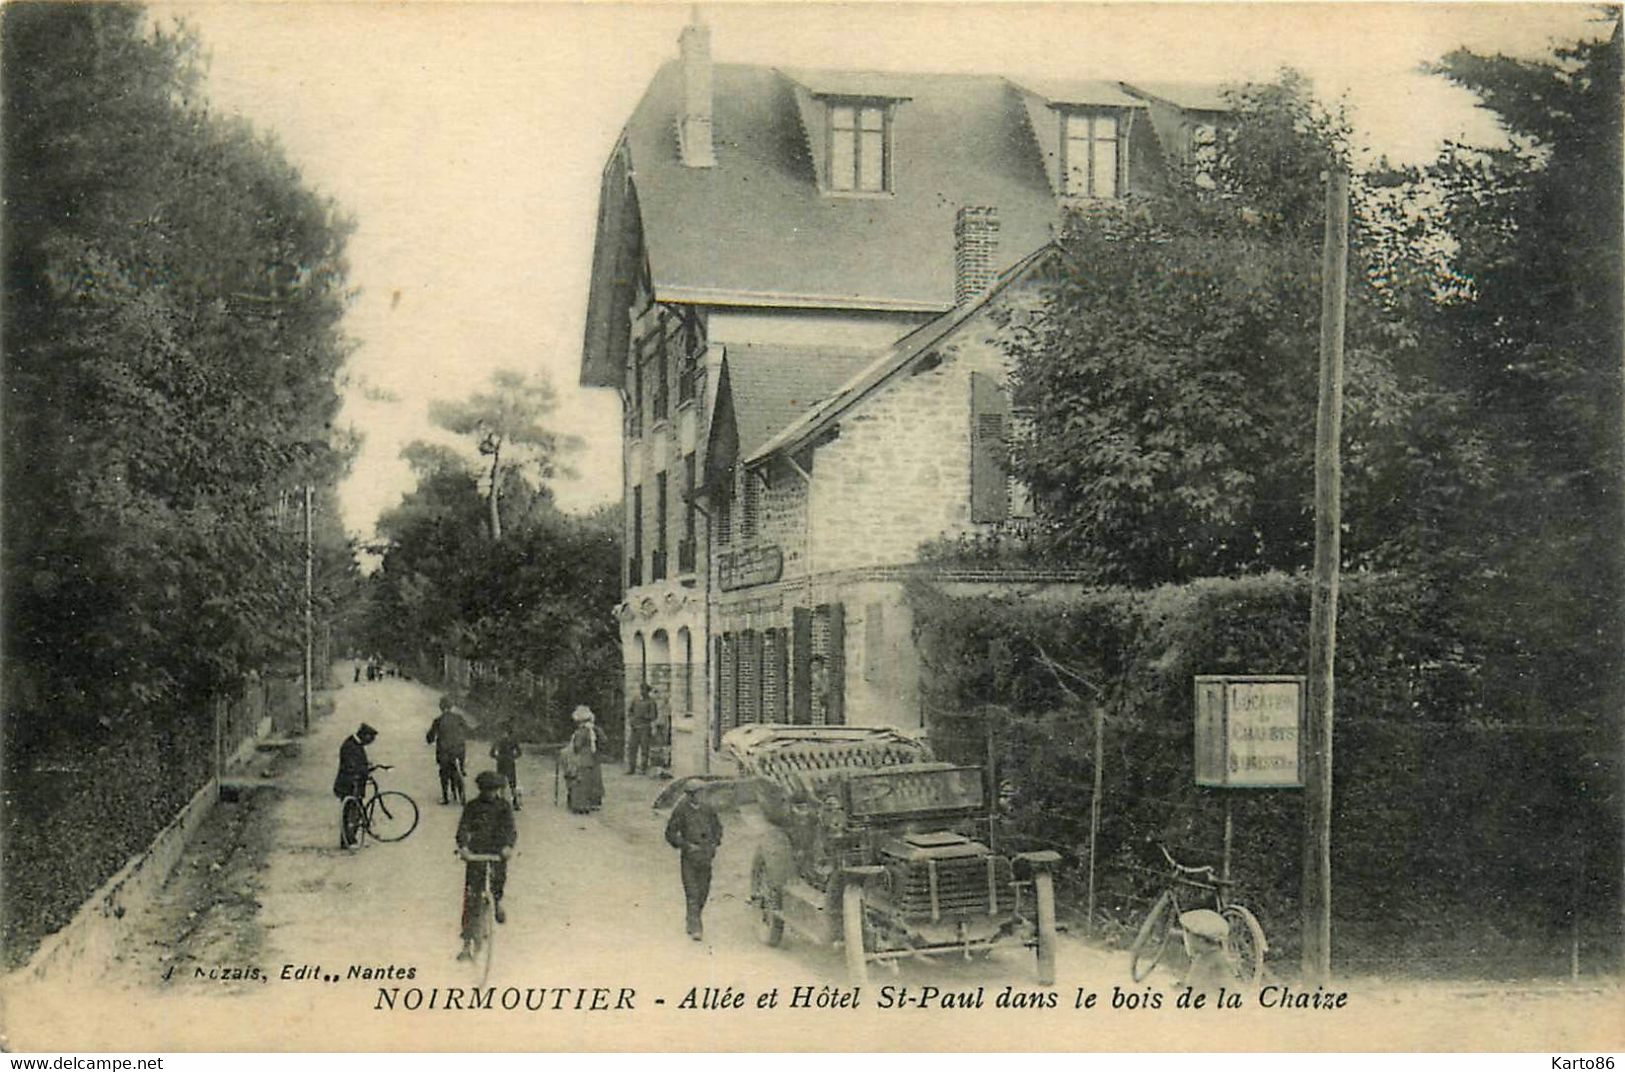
x: 695, y: 831
x: 351, y: 780
x: 486, y: 828
x: 581, y: 773
x: 505, y: 750
x: 449, y: 735
x: 640, y: 717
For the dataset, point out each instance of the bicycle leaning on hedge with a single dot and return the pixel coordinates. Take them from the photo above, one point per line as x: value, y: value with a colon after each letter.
x: 1242, y: 946
x: 387, y: 815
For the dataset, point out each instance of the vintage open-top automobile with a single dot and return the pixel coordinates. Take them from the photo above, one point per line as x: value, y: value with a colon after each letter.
x: 876, y: 847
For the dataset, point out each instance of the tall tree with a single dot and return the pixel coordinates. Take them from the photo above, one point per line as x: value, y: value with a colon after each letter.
x: 1529, y: 327
x: 172, y: 300
x: 1170, y: 376
x: 507, y: 426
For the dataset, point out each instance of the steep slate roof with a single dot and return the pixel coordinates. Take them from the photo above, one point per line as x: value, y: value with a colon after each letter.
x: 773, y: 385
x: 1192, y: 96
x: 881, y: 370
x: 760, y: 389
x: 755, y: 228
x: 1080, y: 91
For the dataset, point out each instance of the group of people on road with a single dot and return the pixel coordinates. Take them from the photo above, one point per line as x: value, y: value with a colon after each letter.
x: 487, y: 826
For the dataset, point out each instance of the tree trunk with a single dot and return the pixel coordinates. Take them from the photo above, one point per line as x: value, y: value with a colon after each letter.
x: 496, y: 475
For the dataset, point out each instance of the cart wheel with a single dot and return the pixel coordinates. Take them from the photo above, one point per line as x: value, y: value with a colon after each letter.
x: 1044, y: 895
x: 768, y: 901
x: 857, y: 963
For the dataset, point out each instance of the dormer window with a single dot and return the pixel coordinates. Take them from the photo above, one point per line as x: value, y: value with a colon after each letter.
x: 1091, y: 157
x: 859, y: 146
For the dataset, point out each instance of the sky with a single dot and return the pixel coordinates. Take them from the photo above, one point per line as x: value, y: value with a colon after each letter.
x: 467, y: 139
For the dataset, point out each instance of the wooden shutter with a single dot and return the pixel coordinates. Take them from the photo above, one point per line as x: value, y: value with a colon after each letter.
x: 781, y: 674
x: 835, y: 661
x: 989, y: 418
x: 801, y: 681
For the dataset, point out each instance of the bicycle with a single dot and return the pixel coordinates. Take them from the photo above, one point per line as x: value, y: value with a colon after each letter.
x: 484, y: 934
x: 387, y: 815
x: 1244, y: 946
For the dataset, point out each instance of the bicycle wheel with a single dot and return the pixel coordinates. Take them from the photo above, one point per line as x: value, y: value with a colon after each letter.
x: 391, y: 816
x: 488, y: 924
x: 352, y: 823
x: 1246, y: 943
x: 1152, y: 937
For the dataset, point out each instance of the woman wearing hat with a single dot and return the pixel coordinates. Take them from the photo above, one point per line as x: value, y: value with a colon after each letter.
x: 586, y: 783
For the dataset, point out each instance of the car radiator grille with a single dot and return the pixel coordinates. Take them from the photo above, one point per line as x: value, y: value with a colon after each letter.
x: 956, y: 887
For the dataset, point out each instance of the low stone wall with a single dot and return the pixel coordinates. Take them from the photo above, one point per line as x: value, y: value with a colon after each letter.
x: 85, y: 946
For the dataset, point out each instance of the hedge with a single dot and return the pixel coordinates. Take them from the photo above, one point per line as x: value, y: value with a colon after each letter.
x: 1463, y: 842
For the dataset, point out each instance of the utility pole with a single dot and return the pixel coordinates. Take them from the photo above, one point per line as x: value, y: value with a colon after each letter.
x: 1317, y: 819
x: 310, y: 558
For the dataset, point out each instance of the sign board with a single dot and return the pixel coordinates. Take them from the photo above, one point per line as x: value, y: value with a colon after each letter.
x: 750, y: 566
x: 1249, y: 730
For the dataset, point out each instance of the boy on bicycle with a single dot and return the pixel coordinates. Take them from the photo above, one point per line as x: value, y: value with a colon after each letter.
x: 486, y: 828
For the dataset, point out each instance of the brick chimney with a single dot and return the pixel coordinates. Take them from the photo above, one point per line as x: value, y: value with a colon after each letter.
x: 976, y: 251
x: 694, y: 124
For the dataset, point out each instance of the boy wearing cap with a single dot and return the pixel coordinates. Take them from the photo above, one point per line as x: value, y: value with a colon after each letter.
x: 486, y: 828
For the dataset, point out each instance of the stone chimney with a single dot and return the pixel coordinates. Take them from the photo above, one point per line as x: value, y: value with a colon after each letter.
x: 694, y: 124
x: 976, y: 251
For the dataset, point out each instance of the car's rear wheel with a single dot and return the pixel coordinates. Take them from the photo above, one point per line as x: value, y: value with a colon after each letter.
x: 769, y: 901
x: 857, y: 960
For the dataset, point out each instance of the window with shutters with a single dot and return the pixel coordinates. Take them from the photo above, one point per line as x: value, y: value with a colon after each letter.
x: 657, y: 570
x: 750, y: 677
x: 634, y: 565
x: 725, y: 509
x: 750, y: 514
x: 990, y: 450
x: 685, y: 546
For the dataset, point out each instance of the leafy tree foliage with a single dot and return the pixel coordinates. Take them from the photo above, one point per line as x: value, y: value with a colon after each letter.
x: 1527, y: 324
x: 508, y: 425
x: 1171, y: 377
x: 172, y: 294
x: 538, y: 599
x: 172, y: 299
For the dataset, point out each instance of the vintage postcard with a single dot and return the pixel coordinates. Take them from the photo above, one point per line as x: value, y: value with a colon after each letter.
x: 812, y: 527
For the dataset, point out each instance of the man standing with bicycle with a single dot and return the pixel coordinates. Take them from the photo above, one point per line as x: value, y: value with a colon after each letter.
x: 449, y: 735
x: 487, y: 829
x: 351, y: 780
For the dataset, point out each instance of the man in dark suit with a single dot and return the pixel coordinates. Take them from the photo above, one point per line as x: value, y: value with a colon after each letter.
x: 351, y: 780
x: 640, y: 720
x: 449, y: 735
x: 695, y: 831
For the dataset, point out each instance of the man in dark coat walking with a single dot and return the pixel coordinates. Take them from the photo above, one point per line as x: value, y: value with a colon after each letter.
x: 449, y: 735
x: 695, y: 831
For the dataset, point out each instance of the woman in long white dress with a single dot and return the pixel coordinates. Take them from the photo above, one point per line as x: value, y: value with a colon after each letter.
x: 581, y: 774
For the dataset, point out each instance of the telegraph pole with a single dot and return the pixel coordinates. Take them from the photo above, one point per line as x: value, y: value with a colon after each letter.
x: 309, y: 599
x: 1317, y: 841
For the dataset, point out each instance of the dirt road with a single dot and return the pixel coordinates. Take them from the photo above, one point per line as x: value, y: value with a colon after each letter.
x: 356, y: 949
